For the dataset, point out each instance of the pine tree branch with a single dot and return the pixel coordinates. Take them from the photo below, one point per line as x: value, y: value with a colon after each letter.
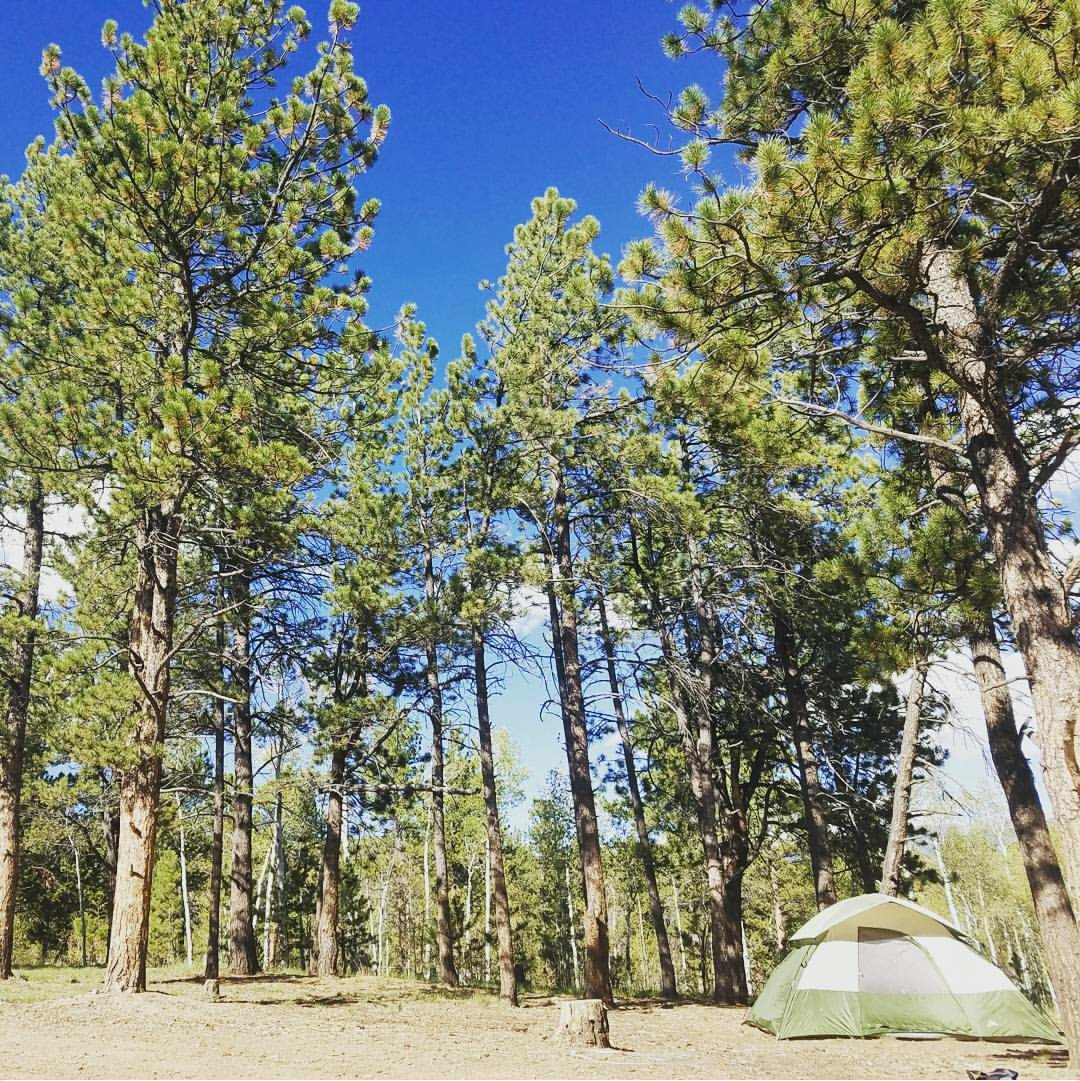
x: 869, y: 426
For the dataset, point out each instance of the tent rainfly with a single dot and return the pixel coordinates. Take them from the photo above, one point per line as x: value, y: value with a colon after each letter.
x: 875, y: 964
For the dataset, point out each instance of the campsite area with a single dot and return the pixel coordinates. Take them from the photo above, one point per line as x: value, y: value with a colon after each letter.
x: 53, y: 1024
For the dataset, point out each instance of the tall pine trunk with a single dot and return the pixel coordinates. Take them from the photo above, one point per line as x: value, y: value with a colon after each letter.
x: 13, y: 733
x: 212, y: 968
x: 815, y: 819
x: 185, y: 896
x: 157, y: 536
x: 648, y: 864
x: 444, y: 931
x: 110, y: 836
x: 697, y: 741
x: 495, y: 869
x: 243, y: 953
x: 1053, y: 908
x: 1034, y: 593
x: 597, y: 977
x: 723, y: 868
x: 905, y: 768
x: 284, y: 940
x: 324, y: 947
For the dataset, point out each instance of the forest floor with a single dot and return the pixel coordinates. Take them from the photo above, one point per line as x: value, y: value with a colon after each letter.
x: 53, y: 1023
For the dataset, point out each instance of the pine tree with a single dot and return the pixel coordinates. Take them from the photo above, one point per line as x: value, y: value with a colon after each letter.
x: 914, y: 189
x: 545, y: 327
x: 213, y: 306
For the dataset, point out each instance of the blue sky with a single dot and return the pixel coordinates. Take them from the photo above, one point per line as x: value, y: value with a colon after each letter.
x: 493, y: 101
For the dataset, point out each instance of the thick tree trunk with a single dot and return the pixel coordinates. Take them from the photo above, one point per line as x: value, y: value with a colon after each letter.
x: 905, y: 767
x: 1035, y: 595
x: 648, y: 864
x: 212, y: 968
x: 495, y: 868
x: 571, y: 928
x: 1053, y: 908
x: 817, y: 827
x: 733, y: 986
x: 324, y: 948
x: 597, y: 977
x: 157, y: 540
x: 13, y: 732
x: 243, y: 954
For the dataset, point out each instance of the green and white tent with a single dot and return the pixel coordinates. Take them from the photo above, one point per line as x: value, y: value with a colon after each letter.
x: 875, y: 964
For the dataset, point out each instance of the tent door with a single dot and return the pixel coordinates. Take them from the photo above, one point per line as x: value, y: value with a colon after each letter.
x: 901, y: 988
x: 891, y: 963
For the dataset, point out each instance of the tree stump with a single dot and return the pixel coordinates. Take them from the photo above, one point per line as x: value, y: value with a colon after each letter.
x: 583, y: 1021
x: 212, y: 990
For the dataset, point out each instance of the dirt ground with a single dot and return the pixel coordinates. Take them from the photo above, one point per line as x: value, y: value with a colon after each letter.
x: 53, y: 1025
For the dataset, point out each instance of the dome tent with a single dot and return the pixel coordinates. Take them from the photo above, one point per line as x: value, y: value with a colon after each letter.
x: 875, y: 964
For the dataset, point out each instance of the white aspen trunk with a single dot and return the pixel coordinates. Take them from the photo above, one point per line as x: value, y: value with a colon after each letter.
x: 381, y: 960
x: 746, y: 958
x: 779, y: 932
x: 345, y: 830
x: 467, y: 935
x: 986, y: 925
x: 971, y: 924
x: 573, y: 932
x: 371, y: 932
x: 1024, y: 971
x: 183, y: 882
x: 283, y: 907
x: 945, y: 880
x: 259, y: 885
x: 487, y: 909
x: 267, y: 959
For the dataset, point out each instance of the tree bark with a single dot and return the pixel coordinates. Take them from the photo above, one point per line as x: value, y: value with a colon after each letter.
x: 726, y: 861
x: 212, y: 968
x: 1053, y: 908
x: 283, y: 892
x: 583, y: 1022
x: 698, y: 751
x: 185, y: 897
x: 444, y: 929
x: 571, y: 929
x: 110, y: 831
x: 157, y: 537
x: 905, y: 767
x: 1035, y: 595
x: 13, y: 732
x: 648, y: 864
x: 815, y: 819
x: 243, y: 954
x: 82, y: 901
x: 324, y: 948
x: 495, y: 869
x: 597, y: 976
